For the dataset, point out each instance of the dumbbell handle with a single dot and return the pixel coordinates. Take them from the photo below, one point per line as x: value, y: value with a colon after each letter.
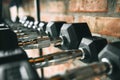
x: 37, y: 40
x: 34, y: 41
x: 83, y: 73
x: 56, y: 58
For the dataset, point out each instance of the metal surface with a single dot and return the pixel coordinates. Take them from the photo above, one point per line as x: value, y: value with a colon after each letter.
x: 38, y: 19
x: 83, y: 73
x: 56, y: 58
x: 33, y: 41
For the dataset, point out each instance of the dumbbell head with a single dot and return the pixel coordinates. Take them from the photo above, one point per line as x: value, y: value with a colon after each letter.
x: 16, y: 54
x: 13, y: 63
x: 8, y: 39
x: 35, y: 26
x: 18, y: 70
x: 92, y: 46
x: 42, y: 27
x: 53, y: 29
x: 111, y: 54
x: 72, y: 34
x: 26, y: 23
x: 30, y: 24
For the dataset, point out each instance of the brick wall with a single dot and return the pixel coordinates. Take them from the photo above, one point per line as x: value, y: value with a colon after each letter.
x: 101, y: 15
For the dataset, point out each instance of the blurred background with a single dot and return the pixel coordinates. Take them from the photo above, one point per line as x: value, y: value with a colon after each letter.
x: 102, y: 16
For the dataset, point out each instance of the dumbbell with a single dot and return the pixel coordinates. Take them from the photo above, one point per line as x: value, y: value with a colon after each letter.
x: 13, y: 59
x: 109, y: 65
x: 35, y: 26
x: 8, y: 38
x: 42, y: 28
x: 72, y: 34
x: 28, y: 21
x: 39, y: 27
x: 87, y: 52
x: 30, y: 24
x: 14, y: 65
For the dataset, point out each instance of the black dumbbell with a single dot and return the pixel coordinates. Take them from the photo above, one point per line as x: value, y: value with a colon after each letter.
x: 30, y: 24
x: 42, y: 28
x: 91, y: 46
x: 87, y: 52
x: 109, y: 65
x: 13, y: 59
x: 72, y: 34
x: 26, y: 23
x: 53, y: 29
x: 35, y: 26
x: 8, y: 39
x: 13, y: 63
x: 110, y: 55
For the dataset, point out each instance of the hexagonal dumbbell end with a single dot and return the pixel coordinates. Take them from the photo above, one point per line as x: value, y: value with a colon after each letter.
x: 30, y: 24
x: 8, y: 39
x: 92, y: 46
x: 53, y: 29
x: 42, y: 28
x: 72, y: 34
x: 15, y: 62
x: 111, y: 55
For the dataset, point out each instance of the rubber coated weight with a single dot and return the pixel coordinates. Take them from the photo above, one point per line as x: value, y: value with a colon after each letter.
x: 92, y: 46
x: 73, y: 33
x: 53, y: 29
x: 112, y: 53
x: 8, y: 39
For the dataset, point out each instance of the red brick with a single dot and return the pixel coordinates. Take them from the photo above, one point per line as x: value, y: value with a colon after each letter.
x: 56, y: 17
x: 43, y: 6
x: 108, y: 26
x: 103, y: 25
x: 67, y: 18
x: 74, y: 5
x: 88, y: 5
x: 118, y: 6
x: 56, y: 6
